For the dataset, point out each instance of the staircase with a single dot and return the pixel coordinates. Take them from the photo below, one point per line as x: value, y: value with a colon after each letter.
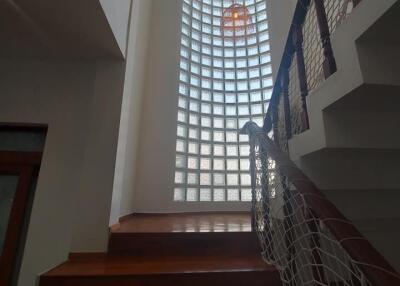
x: 209, y: 249
x: 352, y: 148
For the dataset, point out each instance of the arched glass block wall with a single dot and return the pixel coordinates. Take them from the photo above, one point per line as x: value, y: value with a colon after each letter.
x: 223, y: 84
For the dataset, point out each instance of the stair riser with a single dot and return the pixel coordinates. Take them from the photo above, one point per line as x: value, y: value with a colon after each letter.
x: 250, y: 278
x: 184, y: 244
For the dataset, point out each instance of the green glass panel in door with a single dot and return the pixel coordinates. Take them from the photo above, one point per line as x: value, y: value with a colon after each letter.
x: 8, y: 187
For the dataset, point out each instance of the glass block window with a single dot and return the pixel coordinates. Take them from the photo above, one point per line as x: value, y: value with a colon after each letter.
x: 223, y: 84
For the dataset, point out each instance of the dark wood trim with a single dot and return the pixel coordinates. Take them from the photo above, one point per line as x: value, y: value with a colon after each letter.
x: 23, y: 127
x: 356, y: 2
x: 14, y: 228
x: 20, y: 158
x: 301, y: 70
x: 329, y: 64
x: 286, y: 103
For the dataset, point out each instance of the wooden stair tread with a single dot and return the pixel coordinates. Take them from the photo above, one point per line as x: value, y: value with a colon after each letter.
x: 109, y: 265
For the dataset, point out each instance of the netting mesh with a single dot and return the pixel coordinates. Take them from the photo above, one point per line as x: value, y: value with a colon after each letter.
x: 296, y: 108
x: 312, y: 48
x: 336, y: 12
x: 293, y: 239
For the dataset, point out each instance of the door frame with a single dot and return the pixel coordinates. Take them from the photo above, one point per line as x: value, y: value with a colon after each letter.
x: 25, y: 165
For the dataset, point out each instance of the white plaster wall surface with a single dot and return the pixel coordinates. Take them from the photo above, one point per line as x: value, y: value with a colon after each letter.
x: 90, y: 232
x: 117, y: 13
x: 280, y: 15
x: 57, y: 94
x: 136, y: 59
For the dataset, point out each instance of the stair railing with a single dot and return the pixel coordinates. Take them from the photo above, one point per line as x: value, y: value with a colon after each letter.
x: 301, y: 232
x: 307, y: 60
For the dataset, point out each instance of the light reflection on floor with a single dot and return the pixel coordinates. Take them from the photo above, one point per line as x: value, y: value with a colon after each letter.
x: 197, y: 222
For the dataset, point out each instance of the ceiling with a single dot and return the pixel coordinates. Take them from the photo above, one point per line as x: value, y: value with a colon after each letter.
x: 42, y: 29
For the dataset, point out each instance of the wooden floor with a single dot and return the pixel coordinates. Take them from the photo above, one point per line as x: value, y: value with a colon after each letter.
x: 186, y: 222
x: 216, y: 249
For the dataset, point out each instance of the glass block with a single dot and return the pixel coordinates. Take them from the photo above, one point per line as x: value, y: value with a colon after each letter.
x: 181, y: 130
x: 229, y: 74
x: 232, y: 150
x: 231, y: 123
x: 230, y: 86
x: 245, y: 164
x: 219, y: 136
x: 205, y: 121
x: 245, y: 179
x: 182, y: 116
x: 219, y: 164
x: 206, y: 95
x: 233, y: 195
x: 195, y: 68
x: 205, y: 149
x: 205, y: 164
x: 242, y: 122
x: 192, y: 178
x: 183, y: 89
x: 179, y: 195
x: 231, y: 136
x: 218, y: 74
x: 218, y: 97
x: 241, y: 74
x: 267, y: 82
x: 193, y: 148
x: 193, y: 163
x: 256, y: 109
x: 218, y: 122
x: 182, y: 102
x: 205, y: 83
x: 179, y: 177
x: 193, y: 133
x: 194, y: 106
x: 219, y: 179
x: 244, y: 150
x: 243, y: 138
x: 219, y: 150
x: 205, y: 72
x: 230, y: 98
x: 194, y: 92
x: 219, y: 195
x: 243, y: 98
x: 191, y: 195
x: 205, y: 179
x: 243, y: 110
x: 205, y: 195
x: 218, y: 109
x: 255, y: 84
x: 193, y: 119
x: 246, y: 195
x: 205, y: 135
x: 242, y: 85
x: 218, y: 85
x: 180, y: 161
x: 230, y: 110
x: 232, y: 164
x: 180, y: 146
x: 232, y: 179
x: 206, y: 108
x: 255, y: 96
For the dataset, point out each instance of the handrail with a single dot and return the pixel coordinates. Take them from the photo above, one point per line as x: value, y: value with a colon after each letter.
x: 375, y: 267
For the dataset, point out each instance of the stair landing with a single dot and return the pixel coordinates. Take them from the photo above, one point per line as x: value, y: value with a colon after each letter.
x: 183, y: 249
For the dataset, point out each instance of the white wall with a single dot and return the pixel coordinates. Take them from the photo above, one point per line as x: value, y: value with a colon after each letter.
x: 117, y: 13
x: 79, y: 102
x: 136, y: 60
x: 280, y: 15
